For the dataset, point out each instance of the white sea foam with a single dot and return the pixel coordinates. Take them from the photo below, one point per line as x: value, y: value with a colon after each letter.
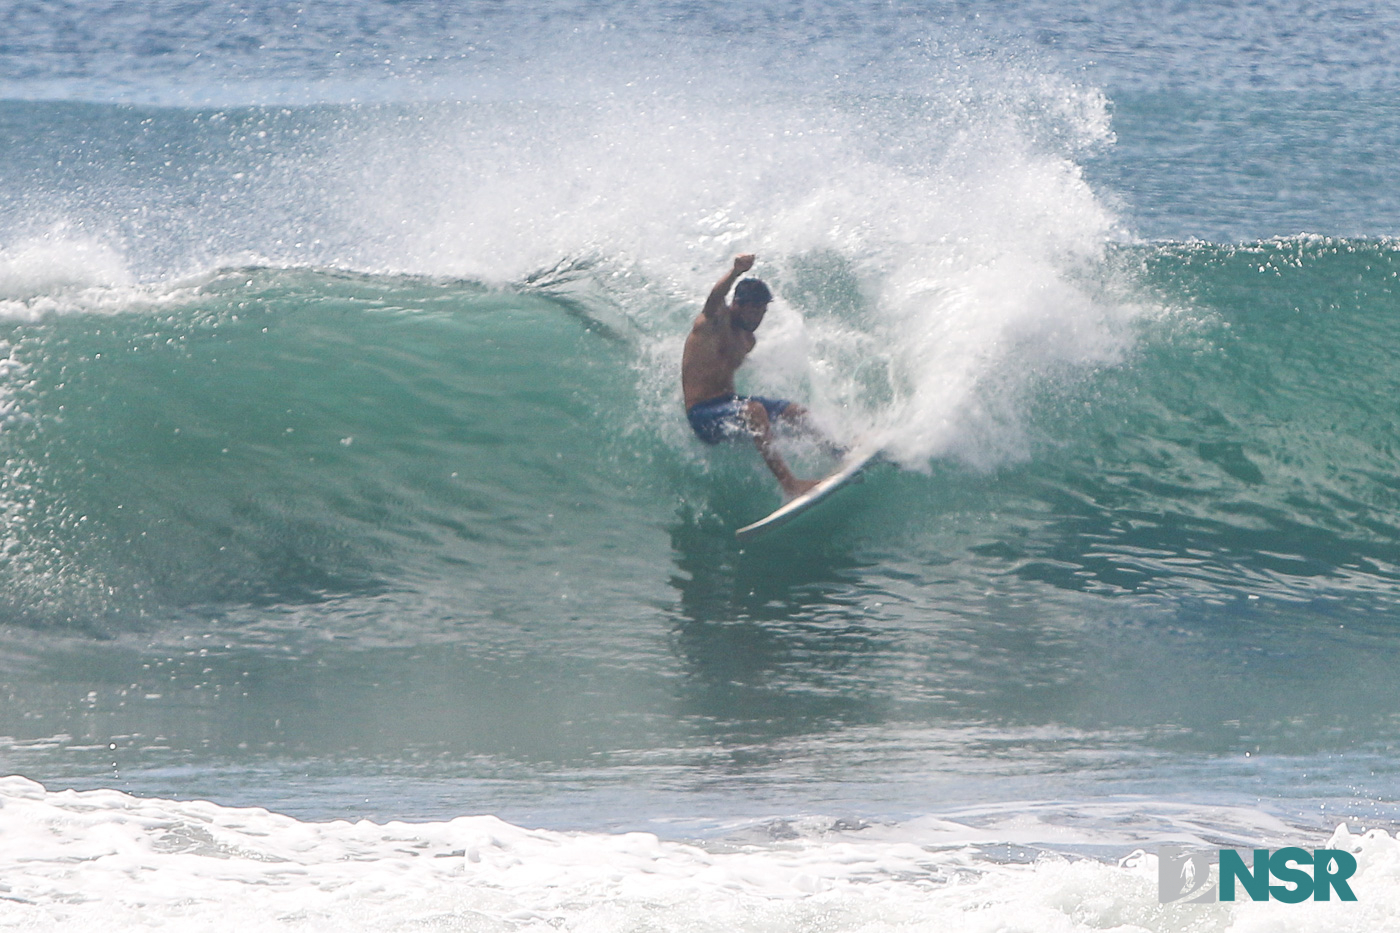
x: 105, y: 860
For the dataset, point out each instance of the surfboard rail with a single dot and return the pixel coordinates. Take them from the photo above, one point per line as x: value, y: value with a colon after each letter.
x: 854, y: 463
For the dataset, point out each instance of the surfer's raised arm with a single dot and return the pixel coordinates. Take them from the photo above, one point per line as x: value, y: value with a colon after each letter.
x: 719, y: 295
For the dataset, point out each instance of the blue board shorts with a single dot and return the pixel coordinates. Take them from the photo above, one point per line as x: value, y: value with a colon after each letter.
x: 720, y: 419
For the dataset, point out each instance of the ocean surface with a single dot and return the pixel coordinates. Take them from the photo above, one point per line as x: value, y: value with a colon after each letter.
x: 360, y: 570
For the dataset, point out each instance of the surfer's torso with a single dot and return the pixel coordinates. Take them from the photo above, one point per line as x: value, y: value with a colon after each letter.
x: 714, y: 351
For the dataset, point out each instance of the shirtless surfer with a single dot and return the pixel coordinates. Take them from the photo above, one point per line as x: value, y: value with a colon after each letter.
x: 719, y: 340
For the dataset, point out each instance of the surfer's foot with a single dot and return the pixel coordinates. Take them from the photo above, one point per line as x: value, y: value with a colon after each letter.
x: 797, y: 487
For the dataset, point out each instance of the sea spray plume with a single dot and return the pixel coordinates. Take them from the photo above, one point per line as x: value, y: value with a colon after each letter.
x: 960, y: 214
x: 957, y: 208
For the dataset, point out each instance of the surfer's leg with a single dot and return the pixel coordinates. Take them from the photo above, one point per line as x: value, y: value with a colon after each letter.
x: 760, y: 426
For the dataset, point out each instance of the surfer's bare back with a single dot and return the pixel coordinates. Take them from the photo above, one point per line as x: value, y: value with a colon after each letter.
x: 719, y: 341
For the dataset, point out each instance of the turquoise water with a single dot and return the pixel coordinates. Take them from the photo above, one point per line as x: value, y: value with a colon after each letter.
x: 345, y: 474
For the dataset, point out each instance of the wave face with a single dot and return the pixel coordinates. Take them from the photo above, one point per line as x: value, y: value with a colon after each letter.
x: 267, y: 436
x: 1245, y: 449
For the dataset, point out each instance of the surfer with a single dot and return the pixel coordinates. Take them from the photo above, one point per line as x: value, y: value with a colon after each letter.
x: 719, y: 341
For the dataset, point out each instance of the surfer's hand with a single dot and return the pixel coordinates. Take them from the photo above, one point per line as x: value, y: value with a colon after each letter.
x: 743, y: 263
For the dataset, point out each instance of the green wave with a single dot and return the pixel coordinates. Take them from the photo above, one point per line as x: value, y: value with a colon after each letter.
x: 272, y: 440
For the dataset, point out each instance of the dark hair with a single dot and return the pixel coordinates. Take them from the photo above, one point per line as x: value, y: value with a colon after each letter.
x: 752, y: 292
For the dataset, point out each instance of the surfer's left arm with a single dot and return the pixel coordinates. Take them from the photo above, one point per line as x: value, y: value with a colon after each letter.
x: 720, y: 293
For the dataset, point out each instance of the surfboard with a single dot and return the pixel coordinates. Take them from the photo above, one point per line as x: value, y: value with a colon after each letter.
x: 855, y: 462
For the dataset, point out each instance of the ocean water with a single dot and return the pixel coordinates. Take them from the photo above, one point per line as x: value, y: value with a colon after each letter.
x: 360, y: 571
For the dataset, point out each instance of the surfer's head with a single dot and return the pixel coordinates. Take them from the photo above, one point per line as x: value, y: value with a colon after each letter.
x: 751, y: 299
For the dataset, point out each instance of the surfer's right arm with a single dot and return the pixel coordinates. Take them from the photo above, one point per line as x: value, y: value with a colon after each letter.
x: 718, y: 295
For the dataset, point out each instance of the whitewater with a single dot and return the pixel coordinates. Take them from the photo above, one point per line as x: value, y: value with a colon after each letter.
x: 361, y: 572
